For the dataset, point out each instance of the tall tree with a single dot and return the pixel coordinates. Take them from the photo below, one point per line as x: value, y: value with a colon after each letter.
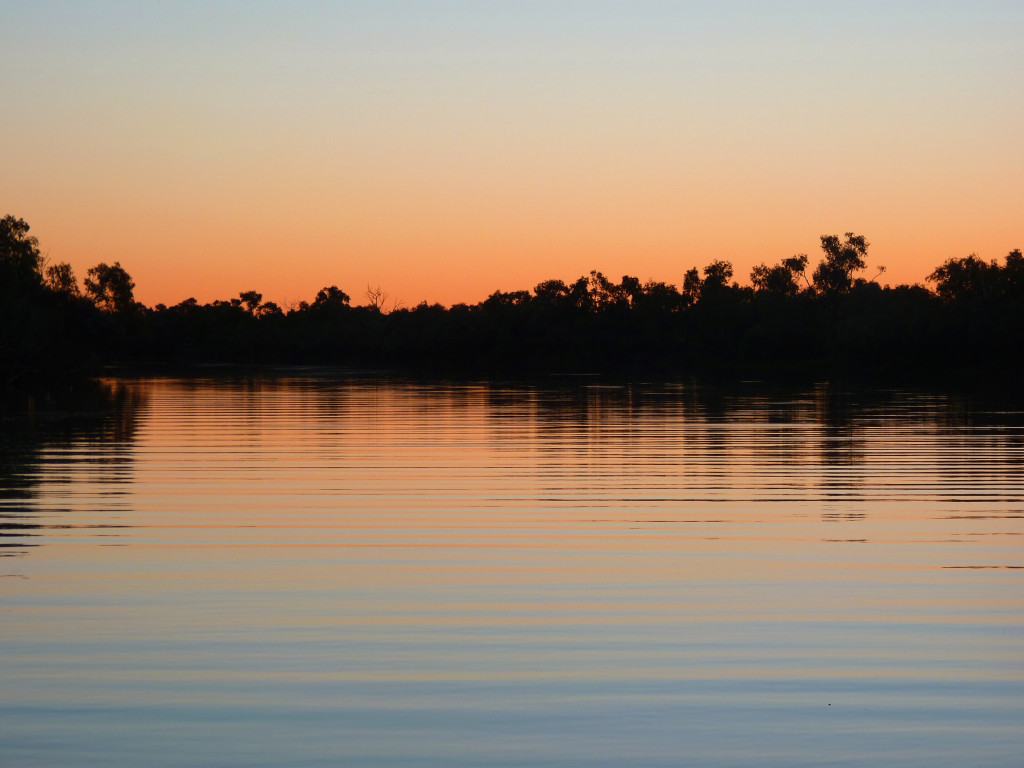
x: 20, y: 259
x: 780, y: 279
x: 717, y: 275
x: 111, y: 287
x: 834, y: 274
x: 959, y: 278
x: 60, y: 278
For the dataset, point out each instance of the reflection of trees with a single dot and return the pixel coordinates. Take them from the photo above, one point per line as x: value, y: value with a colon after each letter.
x: 894, y: 444
x: 667, y: 445
x: 841, y: 454
x: 815, y: 450
x: 93, y: 414
x: 834, y: 448
x: 821, y: 449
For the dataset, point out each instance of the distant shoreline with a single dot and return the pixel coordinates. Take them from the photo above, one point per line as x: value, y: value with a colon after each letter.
x: 790, y: 321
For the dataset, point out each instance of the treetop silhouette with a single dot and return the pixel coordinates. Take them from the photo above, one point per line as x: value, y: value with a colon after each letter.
x: 784, y: 319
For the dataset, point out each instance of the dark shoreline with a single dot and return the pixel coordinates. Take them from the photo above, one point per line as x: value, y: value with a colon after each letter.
x: 790, y: 323
x: 83, y: 393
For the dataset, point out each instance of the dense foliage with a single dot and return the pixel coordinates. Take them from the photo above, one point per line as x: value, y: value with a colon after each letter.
x: 831, y: 320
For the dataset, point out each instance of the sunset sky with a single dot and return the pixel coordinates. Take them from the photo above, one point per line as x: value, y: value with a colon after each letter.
x: 443, y: 150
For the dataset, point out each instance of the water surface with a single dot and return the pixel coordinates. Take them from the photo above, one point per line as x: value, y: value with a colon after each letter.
x: 354, y: 571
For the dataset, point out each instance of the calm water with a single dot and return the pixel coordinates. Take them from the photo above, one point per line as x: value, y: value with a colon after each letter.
x: 303, y: 571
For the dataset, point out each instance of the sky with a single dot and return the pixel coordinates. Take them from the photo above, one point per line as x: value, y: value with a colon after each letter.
x: 445, y: 150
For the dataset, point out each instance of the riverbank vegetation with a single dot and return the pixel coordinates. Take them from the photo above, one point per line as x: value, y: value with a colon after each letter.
x: 792, y: 316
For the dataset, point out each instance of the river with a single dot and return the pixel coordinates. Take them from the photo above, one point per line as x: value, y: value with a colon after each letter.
x: 321, y: 570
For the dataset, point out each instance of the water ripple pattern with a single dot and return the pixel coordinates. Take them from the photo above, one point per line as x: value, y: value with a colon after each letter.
x: 323, y: 570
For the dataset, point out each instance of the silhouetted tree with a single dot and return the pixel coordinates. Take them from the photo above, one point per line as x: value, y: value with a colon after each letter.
x: 111, y: 287
x: 60, y: 278
x: 331, y: 296
x: 834, y: 275
x: 21, y: 291
x: 663, y: 298
x: 782, y: 278
x: 45, y: 335
x: 551, y: 292
x: 1013, y: 277
x: 798, y: 266
x: 717, y: 275
x: 20, y: 259
x: 966, y: 277
x: 251, y: 299
x: 502, y: 299
x: 603, y: 292
x: 629, y: 291
x: 579, y: 295
x: 376, y: 298
x: 268, y: 309
x: 691, y: 286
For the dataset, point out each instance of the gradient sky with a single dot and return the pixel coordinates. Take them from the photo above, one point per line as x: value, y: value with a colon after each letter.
x: 443, y: 150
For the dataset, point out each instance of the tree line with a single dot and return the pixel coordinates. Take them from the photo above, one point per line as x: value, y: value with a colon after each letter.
x: 832, y: 318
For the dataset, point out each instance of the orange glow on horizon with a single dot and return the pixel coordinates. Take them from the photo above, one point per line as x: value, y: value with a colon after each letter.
x: 443, y: 153
x: 448, y: 268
